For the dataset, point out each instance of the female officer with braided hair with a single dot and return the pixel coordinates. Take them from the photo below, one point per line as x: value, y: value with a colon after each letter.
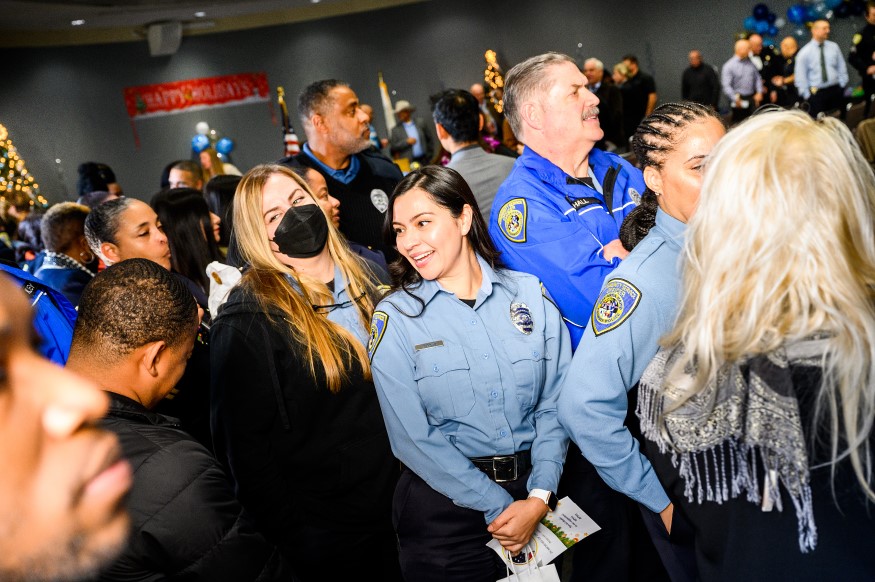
x: 637, y: 304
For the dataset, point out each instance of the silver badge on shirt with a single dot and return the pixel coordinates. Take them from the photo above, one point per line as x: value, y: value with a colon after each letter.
x: 380, y: 200
x: 521, y: 317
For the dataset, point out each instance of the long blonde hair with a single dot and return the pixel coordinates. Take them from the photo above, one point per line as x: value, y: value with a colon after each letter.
x: 781, y: 247
x: 325, y: 342
x: 217, y: 166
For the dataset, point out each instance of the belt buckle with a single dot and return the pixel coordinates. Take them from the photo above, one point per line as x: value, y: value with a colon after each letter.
x: 502, y: 466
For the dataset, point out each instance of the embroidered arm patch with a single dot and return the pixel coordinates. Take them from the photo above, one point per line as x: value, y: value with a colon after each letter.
x: 512, y: 220
x: 615, y: 304
x: 378, y: 328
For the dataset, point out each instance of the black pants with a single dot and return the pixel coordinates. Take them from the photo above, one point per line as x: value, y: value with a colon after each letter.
x: 676, y: 551
x: 826, y: 100
x: 739, y: 114
x: 440, y: 541
x: 622, y: 549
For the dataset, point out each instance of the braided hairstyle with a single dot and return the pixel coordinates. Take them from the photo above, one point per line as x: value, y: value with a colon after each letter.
x: 655, y: 138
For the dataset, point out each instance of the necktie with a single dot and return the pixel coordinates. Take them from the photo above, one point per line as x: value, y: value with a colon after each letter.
x: 822, y: 65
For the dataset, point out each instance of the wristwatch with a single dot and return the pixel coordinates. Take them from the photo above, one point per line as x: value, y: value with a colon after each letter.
x: 548, y: 497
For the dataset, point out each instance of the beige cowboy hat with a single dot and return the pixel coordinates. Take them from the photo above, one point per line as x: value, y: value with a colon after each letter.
x: 402, y: 105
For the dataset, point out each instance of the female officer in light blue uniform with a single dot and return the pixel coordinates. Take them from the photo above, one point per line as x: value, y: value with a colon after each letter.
x: 637, y: 305
x: 467, y: 358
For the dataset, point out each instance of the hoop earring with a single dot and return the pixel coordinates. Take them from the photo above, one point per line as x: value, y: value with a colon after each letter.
x: 86, y: 258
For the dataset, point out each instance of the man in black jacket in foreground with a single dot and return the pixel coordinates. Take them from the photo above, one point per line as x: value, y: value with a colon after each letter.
x: 135, y: 331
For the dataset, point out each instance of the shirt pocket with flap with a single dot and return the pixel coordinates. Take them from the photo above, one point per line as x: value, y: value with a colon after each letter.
x: 443, y: 378
x: 529, y: 364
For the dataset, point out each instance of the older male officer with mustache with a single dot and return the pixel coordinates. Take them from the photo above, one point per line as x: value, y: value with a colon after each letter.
x: 558, y: 216
x: 558, y: 213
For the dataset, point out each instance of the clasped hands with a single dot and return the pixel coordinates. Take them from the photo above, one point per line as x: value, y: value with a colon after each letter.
x: 514, y: 527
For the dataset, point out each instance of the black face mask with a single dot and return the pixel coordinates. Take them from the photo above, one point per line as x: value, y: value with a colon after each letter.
x: 302, y: 232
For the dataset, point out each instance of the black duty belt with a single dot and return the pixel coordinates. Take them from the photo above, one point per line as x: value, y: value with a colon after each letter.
x: 505, y: 467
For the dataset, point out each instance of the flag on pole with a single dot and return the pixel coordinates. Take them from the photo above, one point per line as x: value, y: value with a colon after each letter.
x: 388, y: 110
x: 290, y: 139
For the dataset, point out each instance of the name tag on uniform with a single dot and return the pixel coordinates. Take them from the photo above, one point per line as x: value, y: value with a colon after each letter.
x: 437, y: 344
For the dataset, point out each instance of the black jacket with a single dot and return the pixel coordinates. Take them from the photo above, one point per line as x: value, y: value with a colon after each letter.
x: 311, y: 466
x: 185, y: 521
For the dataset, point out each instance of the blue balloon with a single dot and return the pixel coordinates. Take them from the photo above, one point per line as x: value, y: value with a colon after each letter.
x: 750, y: 24
x: 760, y: 12
x: 816, y: 11
x: 773, y: 30
x: 199, y: 143
x: 768, y: 41
x: 224, y: 145
x: 772, y: 17
x: 797, y: 13
x: 762, y: 26
x: 833, y: 4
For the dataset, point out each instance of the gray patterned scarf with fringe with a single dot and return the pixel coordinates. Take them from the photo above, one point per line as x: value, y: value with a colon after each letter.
x: 743, y: 424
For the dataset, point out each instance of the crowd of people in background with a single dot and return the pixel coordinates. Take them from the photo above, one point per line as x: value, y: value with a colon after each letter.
x: 373, y: 357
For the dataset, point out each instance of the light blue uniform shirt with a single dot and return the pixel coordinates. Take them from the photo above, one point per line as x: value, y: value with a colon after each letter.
x: 807, y: 72
x: 637, y: 305
x: 347, y: 313
x: 460, y: 382
x: 411, y: 130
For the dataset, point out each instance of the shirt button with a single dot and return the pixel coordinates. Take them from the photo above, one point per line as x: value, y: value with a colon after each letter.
x: 535, y: 354
x: 435, y: 368
x: 473, y: 322
x: 503, y: 433
x: 485, y: 356
x: 494, y: 393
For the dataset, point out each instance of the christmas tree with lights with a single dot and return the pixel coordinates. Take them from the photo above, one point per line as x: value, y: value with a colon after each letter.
x: 495, y: 80
x: 15, y: 179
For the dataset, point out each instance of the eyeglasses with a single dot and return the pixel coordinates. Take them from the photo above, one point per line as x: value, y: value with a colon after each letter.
x: 325, y: 309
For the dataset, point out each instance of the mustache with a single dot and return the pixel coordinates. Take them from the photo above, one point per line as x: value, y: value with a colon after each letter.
x: 590, y: 112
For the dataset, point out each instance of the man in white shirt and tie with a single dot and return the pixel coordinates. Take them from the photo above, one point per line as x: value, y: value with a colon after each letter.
x: 820, y: 74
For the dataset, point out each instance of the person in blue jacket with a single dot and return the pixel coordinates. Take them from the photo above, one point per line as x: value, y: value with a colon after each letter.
x: 637, y: 305
x: 558, y: 213
x: 557, y: 216
x: 467, y: 357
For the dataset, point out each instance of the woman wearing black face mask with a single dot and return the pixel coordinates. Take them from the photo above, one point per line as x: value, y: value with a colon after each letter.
x: 295, y: 415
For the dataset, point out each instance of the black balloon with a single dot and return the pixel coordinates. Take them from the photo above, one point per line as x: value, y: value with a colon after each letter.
x: 761, y: 12
x: 843, y: 10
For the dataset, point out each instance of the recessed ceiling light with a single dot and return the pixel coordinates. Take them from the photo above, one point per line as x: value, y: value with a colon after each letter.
x: 200, y: 14
x: 79, y: 22
x: 315, y: 1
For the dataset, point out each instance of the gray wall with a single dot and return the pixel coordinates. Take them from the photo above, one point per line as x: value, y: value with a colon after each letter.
x: 66, y: 103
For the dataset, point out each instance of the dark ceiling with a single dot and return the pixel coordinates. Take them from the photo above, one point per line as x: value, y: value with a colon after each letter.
x: 41, y: 23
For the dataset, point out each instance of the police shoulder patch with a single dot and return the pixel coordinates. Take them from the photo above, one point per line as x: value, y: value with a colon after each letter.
x: 615, y: 304
x: 512, y: 220
x: 378, y: 327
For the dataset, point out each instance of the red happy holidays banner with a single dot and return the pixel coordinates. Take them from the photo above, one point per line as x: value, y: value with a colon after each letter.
x: 193, y: 94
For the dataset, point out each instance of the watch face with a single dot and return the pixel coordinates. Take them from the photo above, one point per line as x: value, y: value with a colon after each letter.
x: 552, y: 501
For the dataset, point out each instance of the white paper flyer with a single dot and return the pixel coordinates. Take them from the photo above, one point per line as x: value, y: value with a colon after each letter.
x: 557, y: 532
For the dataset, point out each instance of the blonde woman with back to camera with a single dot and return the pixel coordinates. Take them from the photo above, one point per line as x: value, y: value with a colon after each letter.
x: 758, y: 412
